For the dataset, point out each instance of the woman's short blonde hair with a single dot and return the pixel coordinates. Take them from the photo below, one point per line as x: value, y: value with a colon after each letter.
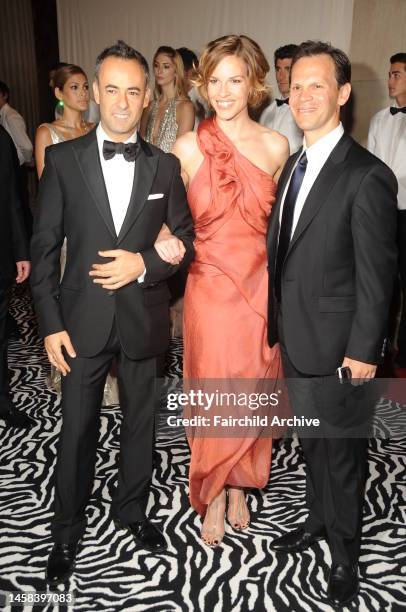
x: 240, y: 46
x: 180, y: 84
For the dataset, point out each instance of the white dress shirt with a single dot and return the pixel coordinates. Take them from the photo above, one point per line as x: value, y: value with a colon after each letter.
x: 387, y: 140
x: 12, y: 121
x: 280, y: 119
x: 118, y: 176
x: 317, y: 155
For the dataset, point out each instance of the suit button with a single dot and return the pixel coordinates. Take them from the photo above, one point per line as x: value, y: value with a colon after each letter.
x: 110, y: 292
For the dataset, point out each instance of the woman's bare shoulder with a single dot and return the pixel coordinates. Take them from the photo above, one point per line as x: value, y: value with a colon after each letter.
x: 44, y: 128
x: 185, y: 145
x: 43, y: 134
x: 275, y: 143
x: 184, y: 103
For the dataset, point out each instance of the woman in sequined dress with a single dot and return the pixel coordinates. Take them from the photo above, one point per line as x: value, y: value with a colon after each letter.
x: 170, y: 114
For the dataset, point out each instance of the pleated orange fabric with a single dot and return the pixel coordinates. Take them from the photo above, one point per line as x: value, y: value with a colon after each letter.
x: 225, y: 308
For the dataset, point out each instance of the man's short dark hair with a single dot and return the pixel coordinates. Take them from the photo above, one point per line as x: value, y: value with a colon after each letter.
x: 399, y: 58
x: 189, y: 58
x: 340, y: 59
x: 123, y: 51
x: 4, y: 90
x: 285, y: 52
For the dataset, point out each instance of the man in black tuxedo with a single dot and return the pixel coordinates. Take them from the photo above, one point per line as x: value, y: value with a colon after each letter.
x: 14, y: 254
x: 332, y: 262
x: 109, y: 193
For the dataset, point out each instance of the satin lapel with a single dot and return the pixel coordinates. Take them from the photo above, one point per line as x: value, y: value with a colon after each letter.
x: 273, y: 227
x: 144, y: 174
x: 87, y: 154
x: 322, y: 186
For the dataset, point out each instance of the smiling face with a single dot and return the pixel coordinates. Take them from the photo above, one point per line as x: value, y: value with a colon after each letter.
x: 228, y: 87
x: 75, y: 92
x: 282, y: 73
x: 315, y: 97
x: 122, y: 93
x: 397, y: 82
x: 164, y: 70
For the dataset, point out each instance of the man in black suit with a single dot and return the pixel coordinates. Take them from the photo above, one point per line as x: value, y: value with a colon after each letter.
x: 109, y: 193
x: 14, y: 253
x: 332, y: 262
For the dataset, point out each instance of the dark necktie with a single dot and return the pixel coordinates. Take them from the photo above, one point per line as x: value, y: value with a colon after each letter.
x: 127, y: 149
x: 287, y: 220
x: 394, y: 110
x: 280, y: 101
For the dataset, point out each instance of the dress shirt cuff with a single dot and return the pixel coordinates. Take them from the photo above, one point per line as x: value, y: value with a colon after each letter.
x: 141, y: 278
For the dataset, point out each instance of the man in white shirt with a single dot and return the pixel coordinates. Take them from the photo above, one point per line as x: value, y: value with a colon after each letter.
x: 387, y: 140
x: 13, y: 122
x: 109, y: 193
x: 332, y: 262
x: 277, y: 116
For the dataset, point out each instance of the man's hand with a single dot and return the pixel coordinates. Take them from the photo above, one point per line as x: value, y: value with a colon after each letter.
x: 169, y: 247
x: 53, y: 346
x: 359, y: 371
x: 23, y: 271
x: 125, y: 268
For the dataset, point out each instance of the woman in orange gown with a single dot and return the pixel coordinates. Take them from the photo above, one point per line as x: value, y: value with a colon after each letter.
x: 230, y: 167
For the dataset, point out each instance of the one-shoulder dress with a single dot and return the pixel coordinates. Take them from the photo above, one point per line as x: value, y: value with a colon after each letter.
x: 225, y: 308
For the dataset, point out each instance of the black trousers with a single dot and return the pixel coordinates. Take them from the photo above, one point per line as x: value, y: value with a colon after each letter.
x: 4, y: 382
x: 82, y: 393
x: 335, y: 453
x: 401, y: 358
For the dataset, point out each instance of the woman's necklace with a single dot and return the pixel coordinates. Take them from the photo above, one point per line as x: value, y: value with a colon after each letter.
x: 83, y: 127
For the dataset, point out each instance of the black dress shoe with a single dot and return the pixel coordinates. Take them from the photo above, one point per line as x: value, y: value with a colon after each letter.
x: 14, y: 418
x: 61, y: 563
x: 296, y: 541
x: 146, y: 535
x: 343, y: 584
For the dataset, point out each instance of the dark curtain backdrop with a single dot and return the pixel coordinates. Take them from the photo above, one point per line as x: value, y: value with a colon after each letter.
x: 17, y: 59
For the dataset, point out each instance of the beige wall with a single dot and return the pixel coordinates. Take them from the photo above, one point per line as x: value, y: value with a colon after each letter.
x: 378, y: 31
x: 85, y: 27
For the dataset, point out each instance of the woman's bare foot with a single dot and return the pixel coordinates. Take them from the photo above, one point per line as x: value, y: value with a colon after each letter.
x: 213, y: 524
x: 237, y: 512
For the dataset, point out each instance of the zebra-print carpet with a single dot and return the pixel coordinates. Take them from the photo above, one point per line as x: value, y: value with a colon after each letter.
x: 242, y: 575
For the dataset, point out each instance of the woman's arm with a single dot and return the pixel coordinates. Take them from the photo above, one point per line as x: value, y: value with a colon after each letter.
x: 42, y: 141
x: 144, y: 120
x: 280, y: 153
x: 185, y: 117
x: 170, y: 248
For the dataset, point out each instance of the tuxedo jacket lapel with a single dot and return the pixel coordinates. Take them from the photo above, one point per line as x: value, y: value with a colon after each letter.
x: 273, y: 227
x: 322, y: 186
x: 144, y: 173
x: 87, y: 154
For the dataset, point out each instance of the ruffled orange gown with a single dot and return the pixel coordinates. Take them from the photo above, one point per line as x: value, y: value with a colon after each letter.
x: 225, y: 307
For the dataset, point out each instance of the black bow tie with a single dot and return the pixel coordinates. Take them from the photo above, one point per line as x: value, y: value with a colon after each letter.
x: 128, y: 149
x: 280, y: 101
x: 395, y: 109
